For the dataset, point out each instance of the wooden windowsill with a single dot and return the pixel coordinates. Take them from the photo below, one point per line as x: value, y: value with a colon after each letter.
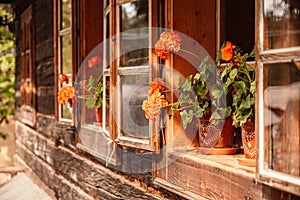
x: 226, y: 162
x: 197, y: 176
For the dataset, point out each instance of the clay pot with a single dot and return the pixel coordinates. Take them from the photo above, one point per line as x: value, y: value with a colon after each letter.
x: 248, y: 139
x: 212, y: 136
x: 98, y: 113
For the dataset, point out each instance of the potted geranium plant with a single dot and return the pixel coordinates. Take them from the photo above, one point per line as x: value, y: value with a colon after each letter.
x: 89, y: 91
x: 204, y: 100
x: 239, y: 80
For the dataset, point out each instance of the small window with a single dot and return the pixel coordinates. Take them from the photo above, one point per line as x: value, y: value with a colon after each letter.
x: 28, y: 71
x: 64, y: 55
x: 278, y: 94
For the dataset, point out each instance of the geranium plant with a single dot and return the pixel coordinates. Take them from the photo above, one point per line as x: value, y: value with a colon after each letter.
x: 203, y: 99
x: 239, y: 80
x: 83, y: 89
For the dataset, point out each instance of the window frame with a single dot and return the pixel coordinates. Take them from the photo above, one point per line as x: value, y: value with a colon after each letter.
x: 28, y: 108
x: 58, y: 34
x: 114, y: 72
x: 273, y: 178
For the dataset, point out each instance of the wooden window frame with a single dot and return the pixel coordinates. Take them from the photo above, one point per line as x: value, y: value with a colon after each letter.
x: 114, y: 72
x: 28, y: 107
x: 58, y: 33
x: 273, y: 178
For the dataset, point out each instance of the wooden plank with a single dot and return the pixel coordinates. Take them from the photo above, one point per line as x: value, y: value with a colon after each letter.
x: 213, y: 177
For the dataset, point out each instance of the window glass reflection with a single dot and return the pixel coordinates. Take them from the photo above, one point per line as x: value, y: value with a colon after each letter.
x: 282, y: 121
x: 134, y: 15
x: 66, y: 14
x: 66, y: 49
x: 134, y: 92
x: 281, y: 24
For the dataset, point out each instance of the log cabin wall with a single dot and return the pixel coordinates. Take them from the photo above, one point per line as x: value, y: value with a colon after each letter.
x: 49, y: 149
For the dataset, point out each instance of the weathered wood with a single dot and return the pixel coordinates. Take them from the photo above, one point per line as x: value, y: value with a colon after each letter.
x: 51, y: 163
x: 213, y: 177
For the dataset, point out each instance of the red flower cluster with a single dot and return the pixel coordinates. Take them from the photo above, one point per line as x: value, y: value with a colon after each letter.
x: 94, y: 61
x: 155, y: 100
x: 168, y: 42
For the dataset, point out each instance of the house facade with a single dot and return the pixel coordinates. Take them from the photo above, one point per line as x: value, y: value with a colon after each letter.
x: 126, y: 155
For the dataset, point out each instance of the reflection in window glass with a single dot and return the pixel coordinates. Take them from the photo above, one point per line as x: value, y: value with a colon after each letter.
x: 107, y: 43
x: 134, y: 15
x: 282, y: 24
x: 106, y: 97
x: 282, y: 121
x: 135, y: 91
x: 66, y: 13
x: 66, y: 54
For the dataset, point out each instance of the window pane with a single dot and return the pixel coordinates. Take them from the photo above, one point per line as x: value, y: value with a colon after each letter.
x: 66, y: 55
x: 282, y: 121
x: 237, y: 23
x: 282, y: 23
x: 106, y: 97
x: 134, y: 15
x: 107, y: 43
x: 66, y: 14
x: 134, y: 92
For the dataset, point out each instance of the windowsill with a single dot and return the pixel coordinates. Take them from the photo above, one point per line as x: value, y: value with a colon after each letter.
x: 194, y: 175
x: 226, y: 162
x: 93, y: 140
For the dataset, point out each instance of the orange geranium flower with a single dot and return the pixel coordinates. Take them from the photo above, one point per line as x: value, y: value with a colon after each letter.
x: 155, y: 100
x: 65, y: 94
x: 168, y: 41
x: 227, y: 51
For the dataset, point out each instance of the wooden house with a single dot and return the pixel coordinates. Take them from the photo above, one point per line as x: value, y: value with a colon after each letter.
x: 128, y: 156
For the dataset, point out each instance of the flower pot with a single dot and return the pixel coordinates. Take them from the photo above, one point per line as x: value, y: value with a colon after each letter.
x: 212, y: 136
x: 248, y: 139
x: 98, y: 113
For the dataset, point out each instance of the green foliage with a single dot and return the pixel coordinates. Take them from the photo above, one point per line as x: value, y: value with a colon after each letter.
x: 240, y: 81
x: 7, y: 72
x: 95, y: 100
x: 196, y: 98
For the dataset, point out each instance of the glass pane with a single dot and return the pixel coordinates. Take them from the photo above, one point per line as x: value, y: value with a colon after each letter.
x: 281, y: 23
x: 106, y: 3
x: 66, y: 111
x: 134, y: 44
x: 66, y: 54
x: 66, y: 13
x: 107, y: 43
x: 134, y: 92
x: 106, y: 96
x: 282, y: 121
x: 237, y: 25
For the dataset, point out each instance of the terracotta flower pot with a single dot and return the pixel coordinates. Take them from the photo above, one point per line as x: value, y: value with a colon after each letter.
x: 98, y: 113
x: 215, y: 136
x: 248, y: 139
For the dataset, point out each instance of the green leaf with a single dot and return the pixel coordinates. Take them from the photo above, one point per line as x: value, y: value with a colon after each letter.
x: 187, y: 84
x: 216, y: 91
x: 186, y: 117
x: 233, y: 73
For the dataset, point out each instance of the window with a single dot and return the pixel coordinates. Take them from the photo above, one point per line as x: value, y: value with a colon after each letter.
x: 28, y: 91
x: 236, y: 20
x: 64, y: 63
x: 279, y: 76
